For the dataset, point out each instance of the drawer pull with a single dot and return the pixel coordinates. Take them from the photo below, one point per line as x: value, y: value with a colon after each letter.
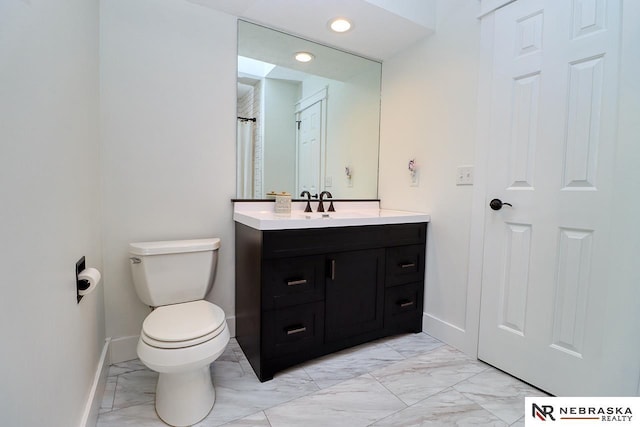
x: 296, y: 330
x: 296, y: 282
x: 405, y: 303
x: 408, y: 265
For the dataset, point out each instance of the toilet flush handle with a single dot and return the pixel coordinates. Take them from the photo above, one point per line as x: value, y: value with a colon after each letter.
x: 135, y: 260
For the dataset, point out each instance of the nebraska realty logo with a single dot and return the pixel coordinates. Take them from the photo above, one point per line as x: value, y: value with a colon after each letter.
x: 582, y: 411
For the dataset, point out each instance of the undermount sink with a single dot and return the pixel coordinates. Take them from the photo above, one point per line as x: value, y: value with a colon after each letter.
x: 262, y: 217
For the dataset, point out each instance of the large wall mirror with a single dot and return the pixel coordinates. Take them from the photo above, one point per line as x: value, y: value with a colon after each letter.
x: 305, y: 125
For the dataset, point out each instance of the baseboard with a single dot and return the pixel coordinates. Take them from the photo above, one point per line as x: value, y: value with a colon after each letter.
x: 231, y: 324
x: 448, y: 333
x: 94, y: 401
x: 124, y: 348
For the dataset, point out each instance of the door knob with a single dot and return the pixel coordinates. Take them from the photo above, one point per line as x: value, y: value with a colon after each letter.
x: 496, y: 204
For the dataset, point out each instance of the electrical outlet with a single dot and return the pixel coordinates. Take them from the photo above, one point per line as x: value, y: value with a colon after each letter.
x: 464, y: 175
x: 328, y: 181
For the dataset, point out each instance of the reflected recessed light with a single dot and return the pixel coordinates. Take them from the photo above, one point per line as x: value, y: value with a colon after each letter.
x: 340, y: 25
x: 304, y: 56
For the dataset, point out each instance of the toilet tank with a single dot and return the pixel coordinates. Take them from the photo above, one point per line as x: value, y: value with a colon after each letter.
x: 171, y: 272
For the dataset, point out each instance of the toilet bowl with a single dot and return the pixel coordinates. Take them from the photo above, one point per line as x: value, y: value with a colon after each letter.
x: 181, y: 337
x: 179, y: 342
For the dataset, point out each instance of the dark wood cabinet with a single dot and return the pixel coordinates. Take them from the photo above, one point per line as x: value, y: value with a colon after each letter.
x: 304, y: 293
x: 354, y: 293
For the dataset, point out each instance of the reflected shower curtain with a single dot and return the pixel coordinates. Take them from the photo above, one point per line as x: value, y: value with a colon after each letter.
x: 244, y: 156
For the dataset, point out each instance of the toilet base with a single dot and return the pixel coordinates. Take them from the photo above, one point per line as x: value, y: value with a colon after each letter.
x: 184, y: 399
x: 184, y: 394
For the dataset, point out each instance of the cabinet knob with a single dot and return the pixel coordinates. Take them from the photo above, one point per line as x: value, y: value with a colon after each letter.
x: 296, y: 282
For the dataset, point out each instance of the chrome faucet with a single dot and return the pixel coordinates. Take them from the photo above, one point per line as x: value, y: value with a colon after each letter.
x: 321, y: 206
x: 308, y: 208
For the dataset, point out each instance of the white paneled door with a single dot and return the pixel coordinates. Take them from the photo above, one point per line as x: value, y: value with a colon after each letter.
x: 309, y: 149
x: 552, y: 142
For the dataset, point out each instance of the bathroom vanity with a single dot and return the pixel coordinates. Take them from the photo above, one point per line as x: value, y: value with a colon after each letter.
x: 308, y: 285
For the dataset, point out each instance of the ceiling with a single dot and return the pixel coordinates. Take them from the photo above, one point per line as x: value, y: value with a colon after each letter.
x: 274, y: 47
x: 381, y: 28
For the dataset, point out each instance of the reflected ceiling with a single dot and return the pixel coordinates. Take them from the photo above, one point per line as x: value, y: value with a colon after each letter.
x: 382, y: 28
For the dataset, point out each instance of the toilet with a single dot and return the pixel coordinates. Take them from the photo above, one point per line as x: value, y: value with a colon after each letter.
x: 183, y: 334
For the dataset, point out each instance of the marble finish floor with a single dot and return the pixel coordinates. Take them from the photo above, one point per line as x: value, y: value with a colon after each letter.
x: 407, y: 380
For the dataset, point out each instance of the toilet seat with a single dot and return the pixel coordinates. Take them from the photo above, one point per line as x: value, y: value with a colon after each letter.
x: 183, y: 325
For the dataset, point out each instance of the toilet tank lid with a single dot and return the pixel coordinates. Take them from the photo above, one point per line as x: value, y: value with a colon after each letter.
x: 174, y: 246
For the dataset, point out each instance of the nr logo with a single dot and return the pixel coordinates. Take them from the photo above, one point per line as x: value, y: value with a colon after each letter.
x: 542, y: 412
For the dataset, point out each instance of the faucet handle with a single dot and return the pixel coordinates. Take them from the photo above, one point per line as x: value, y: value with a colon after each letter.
x: 329, y: 196
x: 306, y: 193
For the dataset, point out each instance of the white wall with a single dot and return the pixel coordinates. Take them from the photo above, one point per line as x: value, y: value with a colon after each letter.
x: 49, y: 209
x: 280, y: 97
x: 168, y: 96
x: 429, y: 107
x: 352, y: 123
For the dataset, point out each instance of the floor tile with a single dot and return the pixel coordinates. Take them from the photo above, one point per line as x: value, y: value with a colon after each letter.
x: 356, y: 402
x: 109, y: 394
x: 406, y: 380
x: 350, y: 363
x: 259, y: 419
x: 499, y: 393
x: 135, y: 388
x: 410, y: 345
x: 125, y: 367
x: 237, y: 397
x: 447, y: 408
x: 138, y: 415
x: 417, y: 378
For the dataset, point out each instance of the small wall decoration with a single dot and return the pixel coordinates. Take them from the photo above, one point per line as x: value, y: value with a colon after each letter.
x: 413, y: 171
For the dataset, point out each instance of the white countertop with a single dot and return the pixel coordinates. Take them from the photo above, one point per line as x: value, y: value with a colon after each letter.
x: 261, y: 216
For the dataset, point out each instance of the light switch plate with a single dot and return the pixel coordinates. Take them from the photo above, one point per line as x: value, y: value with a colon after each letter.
x: 464, y: 175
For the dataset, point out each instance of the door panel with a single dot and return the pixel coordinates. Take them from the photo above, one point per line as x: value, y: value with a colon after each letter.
x: 309, y: 161
x: 553, y: 120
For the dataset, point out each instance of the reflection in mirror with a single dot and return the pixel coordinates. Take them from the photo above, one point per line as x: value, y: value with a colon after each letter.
x: 305, y: 126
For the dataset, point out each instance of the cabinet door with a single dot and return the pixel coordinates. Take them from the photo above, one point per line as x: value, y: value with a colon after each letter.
x: 354, y: 293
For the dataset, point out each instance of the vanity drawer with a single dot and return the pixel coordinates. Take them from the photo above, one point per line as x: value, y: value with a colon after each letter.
x: 405, y: 234
x: 405, y: 264
x: 293, y: 330
x: 403, y: 304
x: 292, y: 281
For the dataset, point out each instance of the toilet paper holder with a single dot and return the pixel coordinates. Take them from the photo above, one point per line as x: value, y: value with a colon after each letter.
x: 87, y: 279
x: 81, y: 285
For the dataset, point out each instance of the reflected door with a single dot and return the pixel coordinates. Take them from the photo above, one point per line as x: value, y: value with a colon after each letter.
x: 309, y: 149
x: 553, y: 122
